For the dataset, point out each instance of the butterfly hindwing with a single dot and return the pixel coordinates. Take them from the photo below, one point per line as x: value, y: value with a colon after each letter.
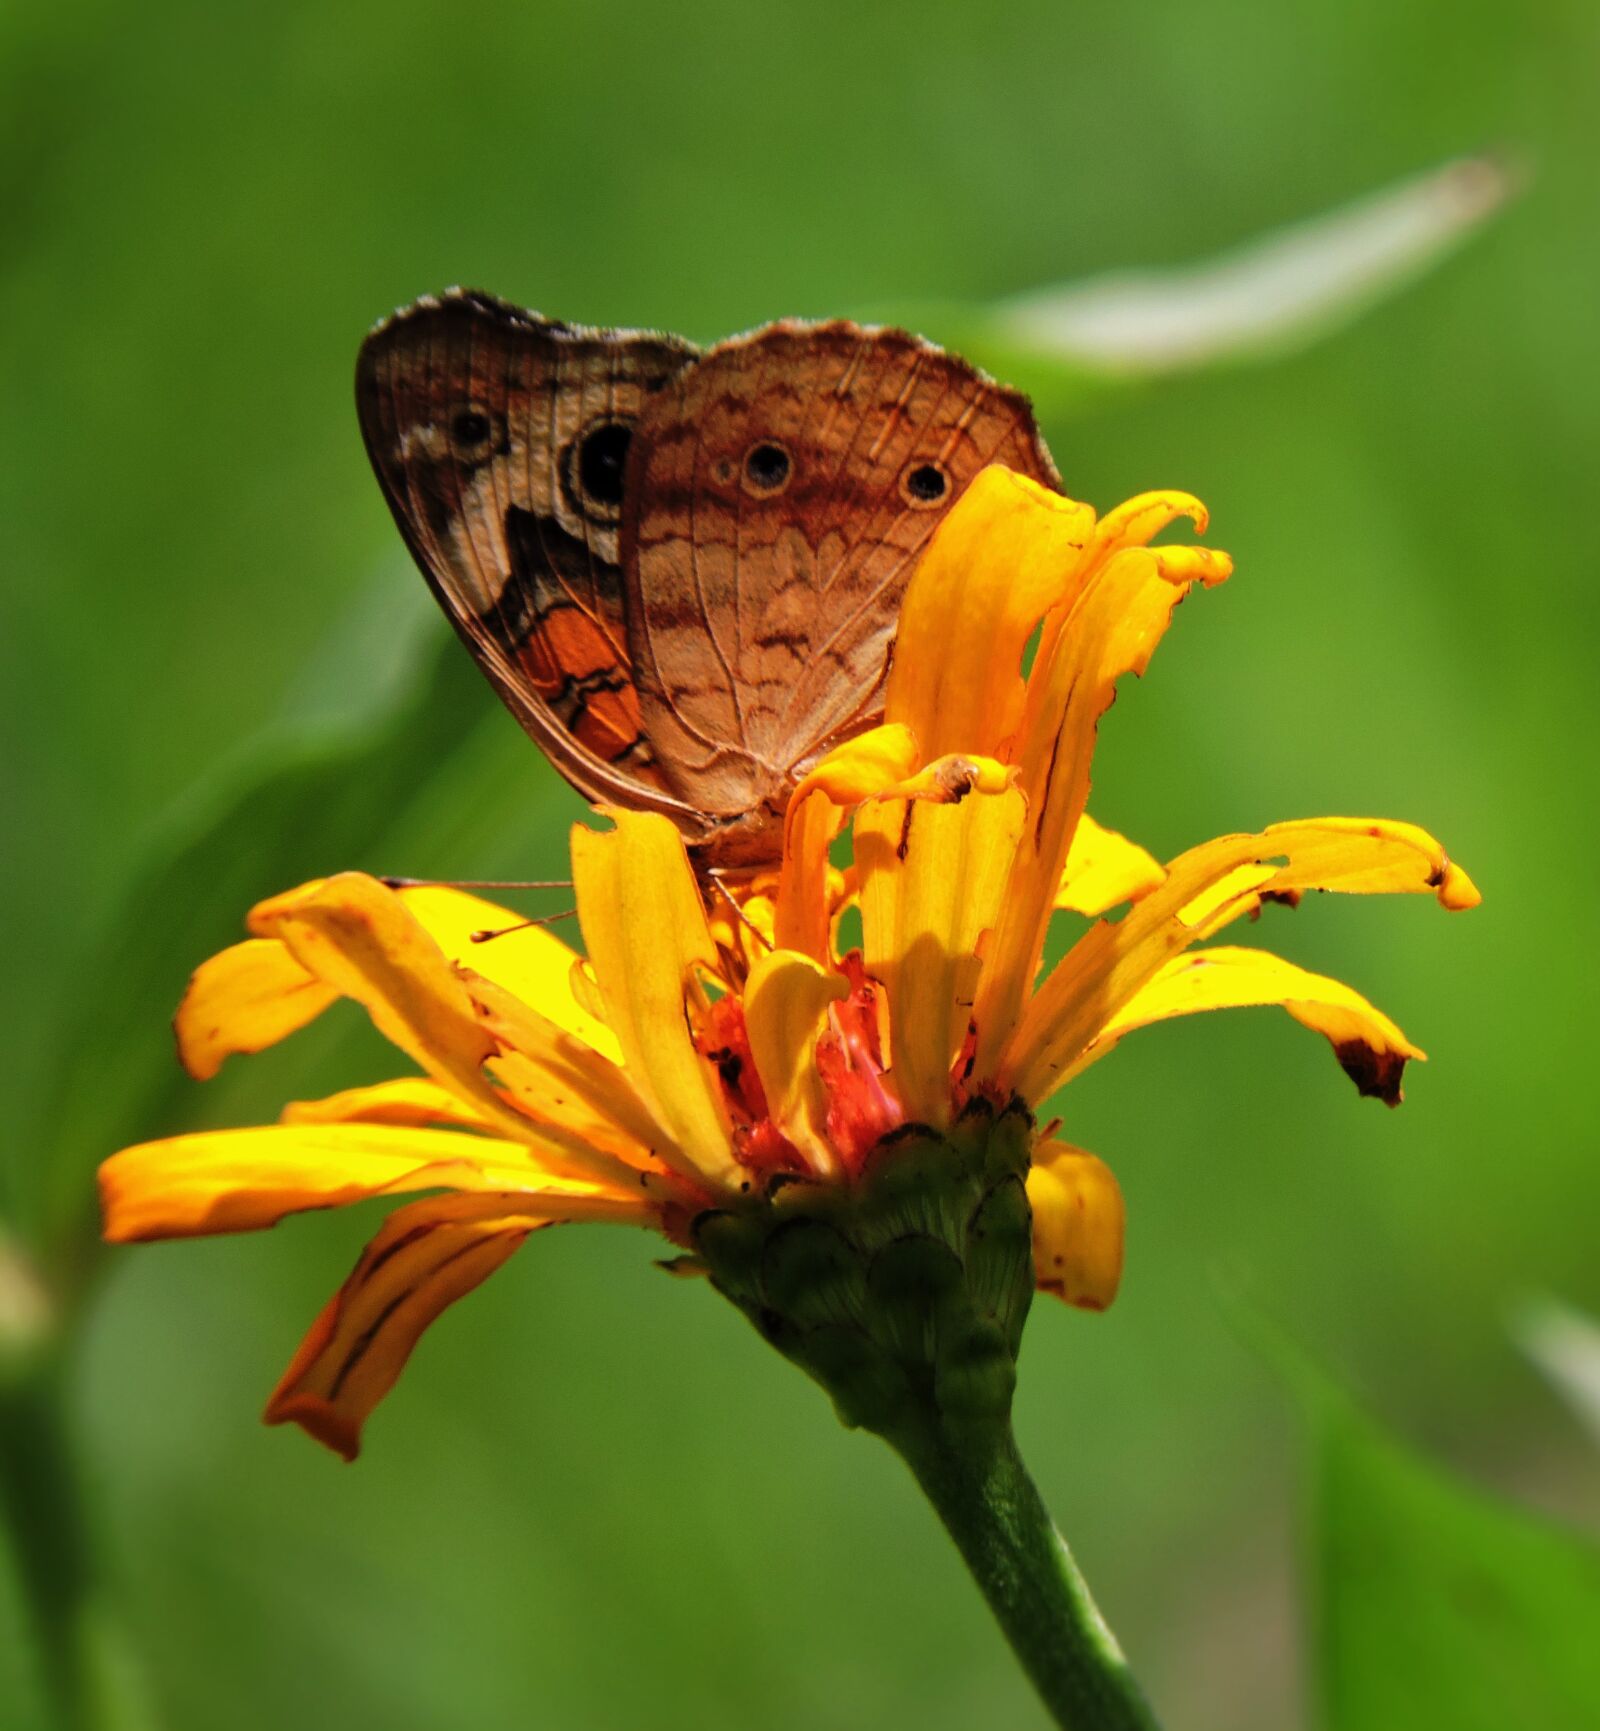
x: 780, y: 491
x: 501, y: 442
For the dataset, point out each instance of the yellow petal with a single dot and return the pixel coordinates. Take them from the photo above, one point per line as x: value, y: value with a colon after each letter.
x: 244, y: 999
x: 531, y: 963
x: 1113, y: 630
x: 880, y: 758
x: 242, y: 1180
x: 1078, y: 1225
x: 1371, y: 1049
x: 424, y: 1257
x: 1137, y: 521
x: 560, y: 1081
x: 1009, y: 550
x: 408, y: 1100
x: 360, y: 938
x: 1207, y: 888
x: 1104, y: 869
x: 786, y: 999
x: 646, y: 932
x: 931, y: 879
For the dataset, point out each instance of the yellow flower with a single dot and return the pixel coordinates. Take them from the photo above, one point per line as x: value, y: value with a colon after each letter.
x: 716, y: 1048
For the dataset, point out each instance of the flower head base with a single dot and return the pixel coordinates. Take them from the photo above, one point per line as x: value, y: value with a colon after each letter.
x: 837, y: 1135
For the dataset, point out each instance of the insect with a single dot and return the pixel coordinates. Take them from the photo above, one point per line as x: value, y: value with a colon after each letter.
x: 680, y: 569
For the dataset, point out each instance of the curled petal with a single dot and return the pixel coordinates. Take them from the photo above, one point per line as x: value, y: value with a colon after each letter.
x: 359, y: 938
x: 1078, y: 1225
x: 645, y: 927
x: 864, y: 766
x: 1112, y: 631
x: 1137, y: 521
x: 244, y: 999
x: 1104, y: 869
x: 786, y: 999
x: 424, y: 1257
x: 932, y: 876
x: 242, y: 1180
x: 1206, y: 889
x: 1370, y: 1048
x: 1009, y: 550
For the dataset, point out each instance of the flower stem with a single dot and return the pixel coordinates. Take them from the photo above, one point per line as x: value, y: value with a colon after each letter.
x: 975, y: 1479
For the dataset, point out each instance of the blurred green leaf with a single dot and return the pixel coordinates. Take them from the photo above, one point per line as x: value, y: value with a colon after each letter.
x: 1565, y: 1345
x: 1284, y: 291
x: 309, y: 799
x: 1439, y: 1607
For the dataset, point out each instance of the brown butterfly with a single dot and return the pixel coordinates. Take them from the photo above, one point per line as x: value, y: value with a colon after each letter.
x: 681, y: 570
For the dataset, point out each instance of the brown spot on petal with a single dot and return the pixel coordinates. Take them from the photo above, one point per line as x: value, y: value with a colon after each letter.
x: 1375, y: 1074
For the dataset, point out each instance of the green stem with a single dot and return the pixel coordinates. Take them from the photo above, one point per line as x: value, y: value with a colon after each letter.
x: 975, y: 1479
x: 40, y: 1506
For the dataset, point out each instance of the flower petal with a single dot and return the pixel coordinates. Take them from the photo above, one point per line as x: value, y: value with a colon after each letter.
x: 360, y: 938
x: 242, y: 1180
x: 424, y: 1257
x: 408, y: 1100
x: 1078, y: 1225
x: 530, y: 962
x: 1137, y: 521
x: 932, y: 876
x: 1207, y: 888
x: 563, y: 1083
x: 786, y: 999
x: 880, y: 758
x: 1370, y: 1048
x: 1008, y: 550
x: 244, y: 999
x: 1104, y: 869
x: 645, y: 928
x: 1113, y: 630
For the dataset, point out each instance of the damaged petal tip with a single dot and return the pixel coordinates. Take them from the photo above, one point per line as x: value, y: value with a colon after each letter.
x: 319, y: 1420
x: 1376, y: 1074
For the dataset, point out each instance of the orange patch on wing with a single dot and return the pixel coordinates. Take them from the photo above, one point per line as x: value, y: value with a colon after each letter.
x: 573, y: 663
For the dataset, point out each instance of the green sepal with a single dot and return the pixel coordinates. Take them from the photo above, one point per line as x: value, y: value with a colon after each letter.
x: 904, y: 1293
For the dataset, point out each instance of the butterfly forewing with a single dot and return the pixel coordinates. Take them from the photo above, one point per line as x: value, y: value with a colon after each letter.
x: 501, y: 441
x: 779, y: 493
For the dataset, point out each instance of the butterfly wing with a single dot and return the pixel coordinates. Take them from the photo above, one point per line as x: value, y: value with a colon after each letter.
x: 500, y: 439
x: 780, y: 491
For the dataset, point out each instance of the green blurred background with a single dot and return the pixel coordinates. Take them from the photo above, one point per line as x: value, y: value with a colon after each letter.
x: 594, y: 1500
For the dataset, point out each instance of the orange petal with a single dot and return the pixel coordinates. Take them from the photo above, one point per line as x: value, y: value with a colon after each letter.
x: 1009, y: 550
x: 242, y: 1180
x: 244, y: 999
x: 1113, y: 630
x: 424, y: 1257
x: 1078, y: 1225
x: 645, y: 928
x: 1104, y: 869
x: 931, y: 879
x: 1371, y: 1049
x: 1207, y: 888
x: 786, y: 999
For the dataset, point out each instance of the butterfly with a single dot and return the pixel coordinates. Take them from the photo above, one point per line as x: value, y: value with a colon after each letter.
x: 681, y: 569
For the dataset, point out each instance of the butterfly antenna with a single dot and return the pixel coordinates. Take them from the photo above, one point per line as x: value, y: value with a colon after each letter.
x: 738, y: 912
x: 492, y: 932
x: 394, y: 883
